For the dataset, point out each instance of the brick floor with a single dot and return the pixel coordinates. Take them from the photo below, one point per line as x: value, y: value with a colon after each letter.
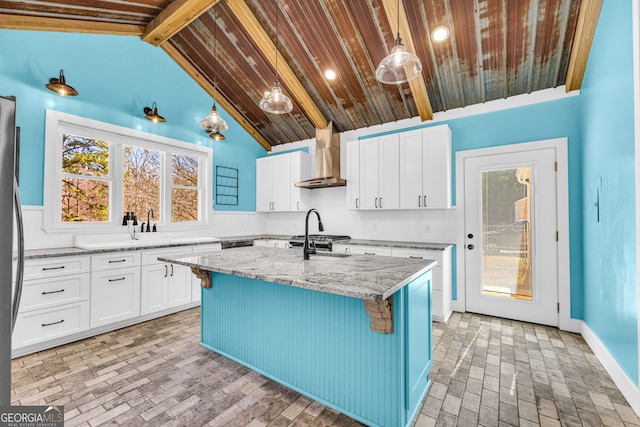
x: 486, y: 371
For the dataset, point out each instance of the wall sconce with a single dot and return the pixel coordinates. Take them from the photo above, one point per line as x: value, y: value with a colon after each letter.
x: 60, y: 86
x: 152, y: 114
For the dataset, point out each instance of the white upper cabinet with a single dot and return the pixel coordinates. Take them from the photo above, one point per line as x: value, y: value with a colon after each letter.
x: 379, y: 172
x: 353, y: 175
x: 275, y: 179
x: 300, y: 171
x: 425, y: 175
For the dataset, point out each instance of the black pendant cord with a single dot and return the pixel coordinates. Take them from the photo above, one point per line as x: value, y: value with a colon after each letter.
x: 215, y: 53
x: 398, y: 18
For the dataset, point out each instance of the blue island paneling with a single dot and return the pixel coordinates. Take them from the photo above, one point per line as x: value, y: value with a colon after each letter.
x: 321, y: 345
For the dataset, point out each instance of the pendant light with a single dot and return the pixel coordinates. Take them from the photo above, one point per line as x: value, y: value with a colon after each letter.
x: 276, y: 102
x: 60, y: 86
x: 213, y: 123
x: 152, y: 114
x: 399, y: 66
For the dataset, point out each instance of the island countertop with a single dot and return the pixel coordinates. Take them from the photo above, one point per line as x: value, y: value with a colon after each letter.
x: 366, y: 277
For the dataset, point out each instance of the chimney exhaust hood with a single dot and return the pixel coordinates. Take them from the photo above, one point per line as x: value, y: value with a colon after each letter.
x: 327, y: 161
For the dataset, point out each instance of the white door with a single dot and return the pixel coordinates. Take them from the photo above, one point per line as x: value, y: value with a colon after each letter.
x: 510, y: 235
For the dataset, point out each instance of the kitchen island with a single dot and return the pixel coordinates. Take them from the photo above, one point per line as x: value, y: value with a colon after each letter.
x: 352, y: 332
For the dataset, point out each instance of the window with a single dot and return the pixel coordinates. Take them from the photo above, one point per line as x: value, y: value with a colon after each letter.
x: 94, y: 172
x: 85, y: 179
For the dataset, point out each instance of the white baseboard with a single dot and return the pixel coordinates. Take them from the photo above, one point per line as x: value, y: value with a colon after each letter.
x: 628, y: 389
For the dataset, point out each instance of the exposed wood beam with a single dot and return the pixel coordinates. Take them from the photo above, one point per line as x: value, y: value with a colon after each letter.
x: 34, y: 23
x: 179, y: 58
x: 585, y: 30
x: 418, y: 86
x: 174, y: 18
x: 268, y: 48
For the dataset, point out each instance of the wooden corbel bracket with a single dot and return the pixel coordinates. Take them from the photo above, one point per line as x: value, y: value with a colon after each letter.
x: 381, y: 313
x: 203, y: 275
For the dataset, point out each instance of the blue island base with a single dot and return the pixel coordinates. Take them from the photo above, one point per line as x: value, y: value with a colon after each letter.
x: 320, y: 344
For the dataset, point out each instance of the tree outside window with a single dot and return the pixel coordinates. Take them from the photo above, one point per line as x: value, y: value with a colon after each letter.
x: 185, y: 192
x: 141, y: 181
x: 85, y: 179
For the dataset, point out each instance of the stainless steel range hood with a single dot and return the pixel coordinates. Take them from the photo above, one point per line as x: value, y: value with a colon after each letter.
x: 327, y: 173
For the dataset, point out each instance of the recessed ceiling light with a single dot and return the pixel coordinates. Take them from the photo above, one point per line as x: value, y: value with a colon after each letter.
x: 329, y: 74
x: 440, y: 34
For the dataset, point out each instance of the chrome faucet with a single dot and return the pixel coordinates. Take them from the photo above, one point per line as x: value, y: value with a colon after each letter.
x: 306, y: 250
x: 150, y: 211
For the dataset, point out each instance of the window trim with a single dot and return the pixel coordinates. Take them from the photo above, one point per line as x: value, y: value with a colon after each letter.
x: 117, y: 136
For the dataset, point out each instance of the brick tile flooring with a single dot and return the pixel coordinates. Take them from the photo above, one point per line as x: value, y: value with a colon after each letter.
x: 486, y: 371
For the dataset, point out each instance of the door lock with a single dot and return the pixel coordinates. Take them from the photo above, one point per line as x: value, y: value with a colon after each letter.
x: 470, y: 246
x: 470, y: 236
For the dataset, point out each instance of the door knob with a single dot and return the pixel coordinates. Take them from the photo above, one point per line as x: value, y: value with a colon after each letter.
x: 470, y: 246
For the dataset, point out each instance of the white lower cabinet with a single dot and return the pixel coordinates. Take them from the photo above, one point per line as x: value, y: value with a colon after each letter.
x: 115, y: 295
x: 164, y: 285
x: 442, y: 271
x: 272, y: 243
x: 55, y: 300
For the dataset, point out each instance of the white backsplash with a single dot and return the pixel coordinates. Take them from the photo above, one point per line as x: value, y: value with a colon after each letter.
x: 433, y: 226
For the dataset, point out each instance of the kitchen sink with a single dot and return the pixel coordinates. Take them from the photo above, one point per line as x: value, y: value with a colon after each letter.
x: 150, y: 239
x: 328, y: 256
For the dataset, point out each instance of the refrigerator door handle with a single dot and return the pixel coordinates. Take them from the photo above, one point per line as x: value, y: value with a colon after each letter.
x: 20, y: 267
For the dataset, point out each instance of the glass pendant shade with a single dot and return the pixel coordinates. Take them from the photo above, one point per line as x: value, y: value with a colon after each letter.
x: 60, y: 86
x: 213, y: 122
x: 399, y: 66
x: 276, y: 102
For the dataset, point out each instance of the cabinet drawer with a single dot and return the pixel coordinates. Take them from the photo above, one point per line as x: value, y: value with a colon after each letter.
x: 51, y: 267
x: 207, y: 248
x: 418, y: 253
x: 151, y: 257
x: 370, y: 250
x: 43, y: 325
x: 44, y: 293
x: 115, y: 295
x: 115, y: 260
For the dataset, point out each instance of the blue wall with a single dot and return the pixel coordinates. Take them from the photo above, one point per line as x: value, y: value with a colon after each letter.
x: 606, y: 106
x: 117, y: 77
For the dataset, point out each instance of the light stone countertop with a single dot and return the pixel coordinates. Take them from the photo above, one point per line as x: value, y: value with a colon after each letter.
x: 72, y: 251
x: 365, y: 277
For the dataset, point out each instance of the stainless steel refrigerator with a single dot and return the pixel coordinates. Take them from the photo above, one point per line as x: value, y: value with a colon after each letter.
x: 10, y: 287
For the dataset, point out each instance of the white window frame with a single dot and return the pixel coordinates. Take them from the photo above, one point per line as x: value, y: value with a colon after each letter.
x: 118, y: 136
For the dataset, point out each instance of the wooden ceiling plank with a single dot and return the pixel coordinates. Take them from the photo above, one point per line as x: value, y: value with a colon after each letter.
x: 268, y: 48
x: 180, y: 59
x: 174, y: 18
x: 585, y: 30
x: 36, y: 23
x: 418, y: 86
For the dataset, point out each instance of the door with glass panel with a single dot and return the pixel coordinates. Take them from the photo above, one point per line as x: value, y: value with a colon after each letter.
x: 510, y: 235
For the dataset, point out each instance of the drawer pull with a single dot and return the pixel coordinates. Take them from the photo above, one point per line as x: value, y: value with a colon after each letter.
x: 53, y: 323
x: 52, y: 292
x: 369, y: 253
x: 415, y: 257
x: 117, y: 280
x: 112, y: 261
x: 52, y: 268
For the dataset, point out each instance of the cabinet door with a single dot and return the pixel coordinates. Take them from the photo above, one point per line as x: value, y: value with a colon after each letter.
x: 388, y: 172
x: 369, y: 173
x: 299, y: 172
x: 353, y: 175
x: 153, y: 288
x: 282, y: 184
x: 264, y: 186
x: 411, y: 170
x: 115, y: 296
x: 179, y: 287
x: 436, y: 173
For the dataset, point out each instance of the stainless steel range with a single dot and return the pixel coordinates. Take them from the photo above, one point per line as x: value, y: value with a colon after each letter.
x: 322, y: 242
